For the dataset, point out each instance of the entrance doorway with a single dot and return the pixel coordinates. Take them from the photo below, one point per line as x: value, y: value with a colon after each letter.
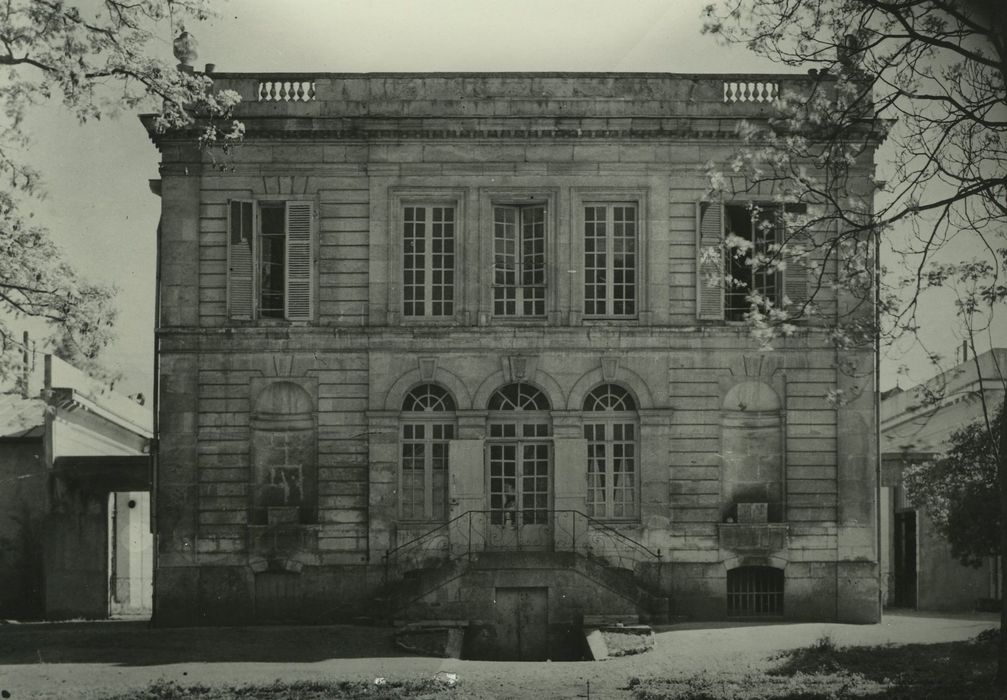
x: 130, y: 554
x: 905, y: 559
x: 520, y: 495
x: 521, y: 617
x: 519, y: 469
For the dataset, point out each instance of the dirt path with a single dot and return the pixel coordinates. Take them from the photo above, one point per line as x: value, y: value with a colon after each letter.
x: 92, y: 660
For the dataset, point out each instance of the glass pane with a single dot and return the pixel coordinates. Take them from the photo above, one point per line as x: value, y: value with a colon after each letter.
x: 503, y: 484
x: 518, y: 396
x: 595, y: 260
x: 428, y: 397
x: 414, y: 261
x: 609, y: 397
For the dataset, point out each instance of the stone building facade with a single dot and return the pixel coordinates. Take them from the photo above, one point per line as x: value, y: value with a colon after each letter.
x: 430, y: 343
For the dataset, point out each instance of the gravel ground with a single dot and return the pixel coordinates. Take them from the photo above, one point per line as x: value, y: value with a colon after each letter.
x: 95, y: 659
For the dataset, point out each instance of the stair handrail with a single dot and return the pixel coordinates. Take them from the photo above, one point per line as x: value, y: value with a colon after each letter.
x: 621, y: 535
x: 396, y: 551
x: 610, y: 531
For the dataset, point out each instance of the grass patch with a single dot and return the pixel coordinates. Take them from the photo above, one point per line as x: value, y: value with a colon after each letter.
x: 427, y: 689
x: 759, y: 686
x: 824, y: 671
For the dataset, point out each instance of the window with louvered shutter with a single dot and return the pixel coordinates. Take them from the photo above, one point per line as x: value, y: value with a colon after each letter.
x: 752, y: 270
x: 240, y: 254
x: 270, y: 267
x: 709, y: 262
x: 299, y: 275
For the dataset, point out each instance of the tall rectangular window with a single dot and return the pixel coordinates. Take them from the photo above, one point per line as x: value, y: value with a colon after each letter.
x: 611, y: 470
x: 270, y: 269
x: 610, y: 260
x: 519, y: 260
x: 272, y: 260
x: 428, y: 261
x: 424, y: 486
x: 750, y: 265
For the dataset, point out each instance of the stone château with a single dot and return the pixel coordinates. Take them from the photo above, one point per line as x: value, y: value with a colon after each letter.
x: 444, y: 346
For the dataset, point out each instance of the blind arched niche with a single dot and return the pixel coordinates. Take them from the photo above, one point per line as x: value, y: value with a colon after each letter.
x: 752, y: 449
x: 284, y: 471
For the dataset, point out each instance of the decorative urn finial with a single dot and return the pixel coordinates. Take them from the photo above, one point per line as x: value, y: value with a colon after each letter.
x: 184, y: 48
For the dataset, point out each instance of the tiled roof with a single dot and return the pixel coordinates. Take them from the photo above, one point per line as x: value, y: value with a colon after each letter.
x: 21, y: 417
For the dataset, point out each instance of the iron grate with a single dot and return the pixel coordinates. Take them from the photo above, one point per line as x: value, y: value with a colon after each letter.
x: 755, y: 591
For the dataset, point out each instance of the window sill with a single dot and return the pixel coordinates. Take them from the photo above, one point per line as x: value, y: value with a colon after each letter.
x: 738, y: 324
x: 431, y: 321
x: 520, y: 320
x: 269, y: 323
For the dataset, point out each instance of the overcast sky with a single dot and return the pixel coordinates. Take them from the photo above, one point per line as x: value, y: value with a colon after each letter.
x: 102, y: 213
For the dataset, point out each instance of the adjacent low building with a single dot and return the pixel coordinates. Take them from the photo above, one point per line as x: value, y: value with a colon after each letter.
x: 75, y: 538
x: 456, y: 330
x: 916, y: 426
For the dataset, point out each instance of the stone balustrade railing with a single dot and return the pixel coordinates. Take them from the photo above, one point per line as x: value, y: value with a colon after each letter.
x: 751, y: 91
x: 294, y: 90
x: 565, y: 96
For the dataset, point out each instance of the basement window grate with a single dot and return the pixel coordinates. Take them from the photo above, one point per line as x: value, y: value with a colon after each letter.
x: 755, y: 591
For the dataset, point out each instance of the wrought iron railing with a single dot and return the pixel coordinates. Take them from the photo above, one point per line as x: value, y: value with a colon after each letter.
x: 477, y: 531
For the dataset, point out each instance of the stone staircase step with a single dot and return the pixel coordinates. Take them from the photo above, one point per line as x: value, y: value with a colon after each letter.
x: 604, y: 620
x: 396, y: 598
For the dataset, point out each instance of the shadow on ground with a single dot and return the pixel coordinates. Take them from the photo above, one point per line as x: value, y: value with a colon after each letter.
x: 134, y: 643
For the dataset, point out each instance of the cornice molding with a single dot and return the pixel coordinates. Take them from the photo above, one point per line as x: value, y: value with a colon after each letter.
x: 687, y: 133
x: 252, y: 135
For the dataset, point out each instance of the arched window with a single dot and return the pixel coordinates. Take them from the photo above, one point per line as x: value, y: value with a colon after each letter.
x: 519, y: 455
x: 428, y: 423
x: 428, y: 397
x: 610, y: 428
x: 518, y: 397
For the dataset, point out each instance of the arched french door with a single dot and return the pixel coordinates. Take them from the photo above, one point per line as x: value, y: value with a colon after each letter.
x: 519, y: 469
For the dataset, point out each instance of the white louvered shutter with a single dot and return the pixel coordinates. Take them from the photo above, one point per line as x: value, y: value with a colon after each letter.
x: 796, y: 282
x: 795, y: 272
x: 300, y: 280
x: 709, y: 236
x: 240, y: 270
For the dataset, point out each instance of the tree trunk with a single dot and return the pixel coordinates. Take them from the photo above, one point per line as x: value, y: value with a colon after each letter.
x: 1001, y: 677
